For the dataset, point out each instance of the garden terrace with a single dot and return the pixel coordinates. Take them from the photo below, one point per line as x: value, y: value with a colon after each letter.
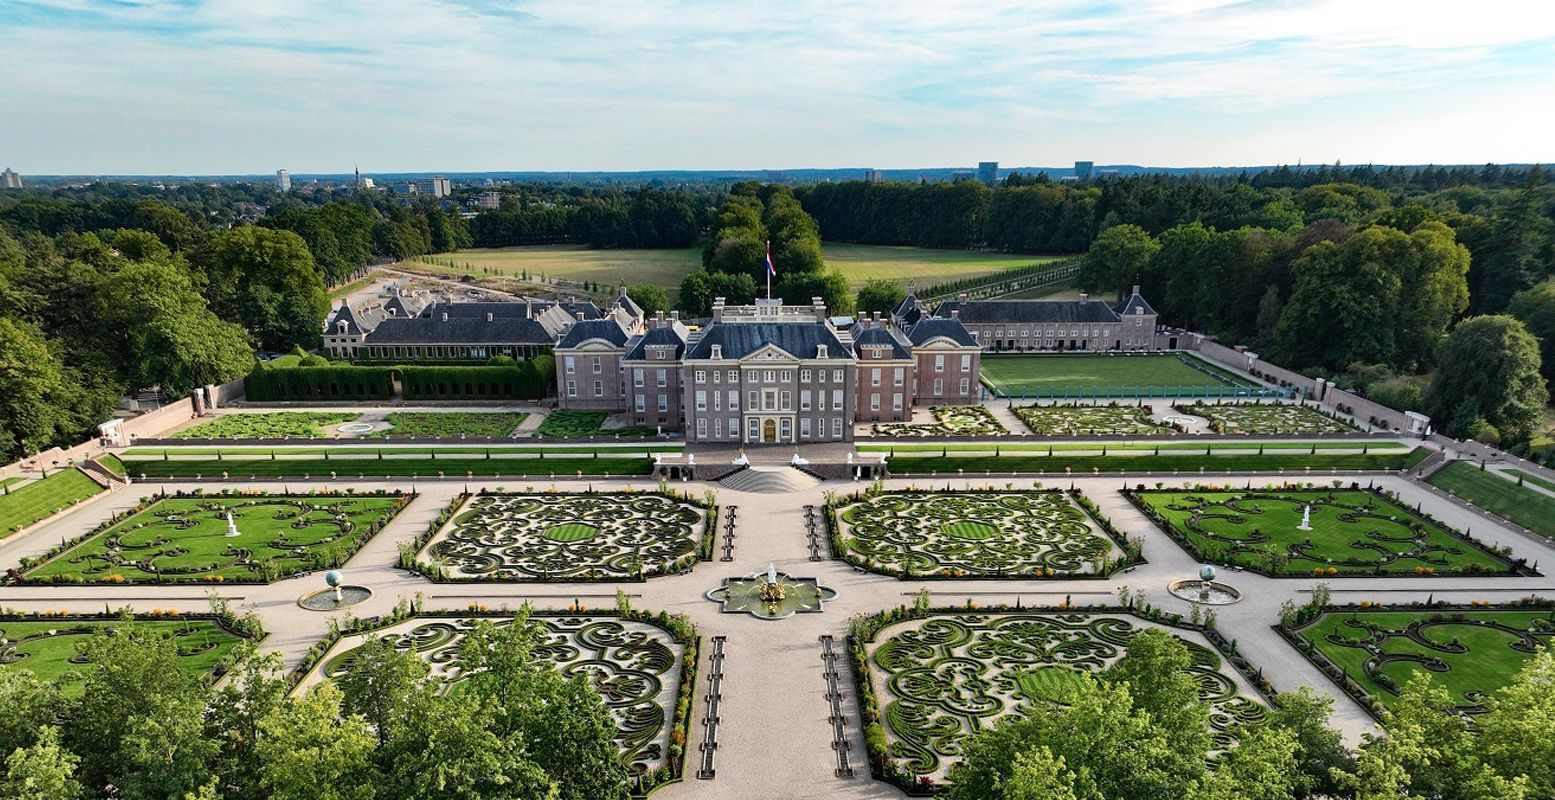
x: 948, y: 421
x: 450, y: 424
x: 1114, y: 375
x: 183, y: 539
x: 1077, y: 419
x: 643, y: 670
x: 1518, y: 504
x: 268, y: 425
x: 1354, y: 532
x: 914, y: 534
x: 942, y: 678
x: 1199, y: 461
x: 21, y: 506
x: 1472, y: 651
x: 568, y: 537
x: 1267, y: 418
x: 581, y: 424
x: 345, y: 461
x: 50, y: 647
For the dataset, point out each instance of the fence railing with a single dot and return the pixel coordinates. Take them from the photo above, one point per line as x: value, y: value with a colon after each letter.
x: 1130, y: 392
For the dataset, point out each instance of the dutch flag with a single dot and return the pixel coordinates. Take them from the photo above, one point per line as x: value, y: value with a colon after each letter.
x: 771, y: 270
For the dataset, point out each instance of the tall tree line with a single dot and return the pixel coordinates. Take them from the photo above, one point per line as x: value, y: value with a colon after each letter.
x: 647, y: 217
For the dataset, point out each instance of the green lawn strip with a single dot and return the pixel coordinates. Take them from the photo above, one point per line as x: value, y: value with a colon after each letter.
x: 494, y: 424
x: 1521, y: 505
x: 48, y: 648
x: 267, y: 425
x: 395, y: 467
x: 1489, y: 663
x: 1146, y: 447
x: 1269, y: 462
x: 575, y: 424
x: 12, y: 481
x: 112, y: 463
x: 184, y: 539
x: 40, y: 499
x: 392, y: 449
x: 1531, y: 478
x: 1353, y: 531
x: 1026, y: 372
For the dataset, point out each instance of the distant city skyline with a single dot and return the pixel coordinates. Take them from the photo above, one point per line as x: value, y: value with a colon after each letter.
x: 221, y: 87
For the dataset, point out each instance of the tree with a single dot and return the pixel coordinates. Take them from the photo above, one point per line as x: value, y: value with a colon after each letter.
x: 881, y: 295
x: 832, y: 287
x: 443, y: 748
x: 30, y: 708
x: 1536, y: 309
x: 1434, y: 277
x: 1155, y: 668
x: 43, y: 769
x: 1344, y: 305
x: 33, y: 392
x: 252, y: 692
x: 1120, y: 255
x: 1514, y: 735
x: 169, y: 337
x: 308, y: 751
x: 381, y: 678
x: 650, y: 298
x: 1262, y: 766
x: 700, y: 288
x: 1040, y: 775
x: 1488, y: 371
x: 1320, y: 750
x: 266, y: 281
x: 1516, y: 252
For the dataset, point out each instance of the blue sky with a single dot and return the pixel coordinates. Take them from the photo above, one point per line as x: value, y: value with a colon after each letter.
x: 248, y: 86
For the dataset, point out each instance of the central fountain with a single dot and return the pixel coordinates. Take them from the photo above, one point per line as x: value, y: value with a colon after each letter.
x: 338, y: 595
x: 771, y: 595
x: 1206, y: 589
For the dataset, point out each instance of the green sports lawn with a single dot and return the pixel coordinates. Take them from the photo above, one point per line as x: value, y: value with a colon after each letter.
x: 1526, y: 507
x: 49, y: 648
x: 40, y: 499
x: 1034, y: 374
x: 183, y: 539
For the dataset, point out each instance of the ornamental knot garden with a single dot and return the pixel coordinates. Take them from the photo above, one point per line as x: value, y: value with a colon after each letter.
x: 561, y: 537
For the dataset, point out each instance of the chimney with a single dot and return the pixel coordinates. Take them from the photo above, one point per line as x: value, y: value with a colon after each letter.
x: 1136, y: 288
x: 819, y: 306
x: 955, y: 313
x: 718, y: 309
x: 675, y: 315
x: 1084, y: 296
x: 580, y: 316
x: 962, y: 297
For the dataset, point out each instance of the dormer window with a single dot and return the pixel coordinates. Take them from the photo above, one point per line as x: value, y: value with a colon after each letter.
x: 820, y: 351
x: 718, y: 351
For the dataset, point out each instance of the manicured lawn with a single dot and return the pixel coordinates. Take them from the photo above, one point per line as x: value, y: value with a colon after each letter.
x: 451, y: 424
x: 396, y: 467
x: 1491, y: 646
x: 1165, y: 462
x: 1496, y: 494
x: 1352, y: 532
x: 1529, y: 477
x: 48, y: 648
x: 918, y: 265
x: 40, y: 499
x: 1052, y: 375
x: 1202, y: 448
x: 345, y: 448
x: 575, y: 424
x: 267, y: 425
x: 184, y: 539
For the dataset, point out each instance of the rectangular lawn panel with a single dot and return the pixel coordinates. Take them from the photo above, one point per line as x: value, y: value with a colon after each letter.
x: 267, y: 425
x: 184, y: 539
x: 38, y: 500
x: 1472, y: 652
x: 529, y: 465
x: 1165, y: 462
x: 1082, y: 375
x: 1354, y: 532
x: 1523, y: 506
x: 451, y: 424
x: 50, y: 648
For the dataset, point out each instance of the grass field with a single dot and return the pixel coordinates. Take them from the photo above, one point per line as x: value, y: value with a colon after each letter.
x: 186, y: 539
x: 1041, y: 375
x: 1166, y: 462
x: 1496, y: 494
x: 1221, y: 447
x: 859, y: 262
x: 40, y: 499
x: 1531, y: 478
x: 49, y: 648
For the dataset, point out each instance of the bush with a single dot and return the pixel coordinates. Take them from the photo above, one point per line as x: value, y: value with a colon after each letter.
x: 313, y: 361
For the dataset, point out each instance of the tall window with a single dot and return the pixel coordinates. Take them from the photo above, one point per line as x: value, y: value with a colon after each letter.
x: 836, y: 376
x: 836, y: 427
x: 639, y: 400
x: 786, y: 400
x: 637, y: 377
x: 966, y: 362
x: 701, y: 400
x: 939, y: 387
x: 874, y: 377
x: 664, y: 402
x: 571, y: 366
x: 597, y: 368
x: 599, y: 388
x: 572, y: 388
x: 734, y: 399
x: 663, y: 377
x: 965, y: 386
x: 701, y: 428
x: 874, y: 402
x: 899, y: 377
x: 836, y: 399
x: 939, y: 362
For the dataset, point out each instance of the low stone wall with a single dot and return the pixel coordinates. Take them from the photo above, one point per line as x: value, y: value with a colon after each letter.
x: 1366, y: 412
x: 1249, y: 363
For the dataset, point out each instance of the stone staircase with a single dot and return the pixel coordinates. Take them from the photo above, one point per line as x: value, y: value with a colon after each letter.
x: 769, y: 480
x: 104, y: 477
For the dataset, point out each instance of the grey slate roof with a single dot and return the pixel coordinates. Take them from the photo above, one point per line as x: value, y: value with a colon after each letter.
x: 473, y: 310
x: 627, y: 304
x: 874, y: 337
x: 983, y: 312
x: 461, y: 331
x: 935, y: 327
x: 1132, y: 302
x: 672, y: 334
x: 607, y: 329
x: 798, y: 339
x: 907, y: 304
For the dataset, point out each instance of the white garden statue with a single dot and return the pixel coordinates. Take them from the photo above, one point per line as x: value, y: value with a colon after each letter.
x: 1306, y: 518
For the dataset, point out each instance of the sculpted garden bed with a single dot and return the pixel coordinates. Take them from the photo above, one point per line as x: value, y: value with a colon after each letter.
x: 1353, y: 532
x: 187, y: 538
x: 1077, y: 419
x: 977, y: 534
x: 1267, y: 418
x: 565, y: 537
x: 948, y: 421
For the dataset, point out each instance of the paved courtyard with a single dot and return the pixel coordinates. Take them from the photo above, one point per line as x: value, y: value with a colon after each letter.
x: 775, y: 737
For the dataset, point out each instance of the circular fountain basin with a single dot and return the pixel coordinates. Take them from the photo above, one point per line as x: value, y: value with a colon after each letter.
x: 324, y: 599
x: 1211, y: 593
x: 744, y: 595
x: 1187, y: 421
x: 356, y: 427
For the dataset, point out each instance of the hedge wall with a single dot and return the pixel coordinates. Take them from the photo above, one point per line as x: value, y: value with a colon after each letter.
x: 526, y: 381
x: 462, y: 383
x: 313, y: 383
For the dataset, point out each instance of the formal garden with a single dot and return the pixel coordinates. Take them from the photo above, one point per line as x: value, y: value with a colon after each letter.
x: 638, y: 663
x: 1266, y: 418
x: 450, y: 424
x: 1110, y: 375
x: 948, y: 421
x: 914, y: 534
x: 565, y: 537
x: 1294, y: 531
x: 1373, y: 652
x: 52, y: 649
x: 268, y: 425
x: 189, y: 539
x: 578, y: 424
x: 1058, y: 420
x: 929, y: 681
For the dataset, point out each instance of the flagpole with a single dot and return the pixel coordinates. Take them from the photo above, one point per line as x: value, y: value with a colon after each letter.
x: 769, y: 269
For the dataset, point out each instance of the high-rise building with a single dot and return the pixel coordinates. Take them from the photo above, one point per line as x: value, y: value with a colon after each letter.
x: 10, y: 180
x: 283, y: 181
x: 988, y: 172
x: 872, y: 176
x: 961, y: 175
x: 1083, y: 169
x: 435, y: 186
